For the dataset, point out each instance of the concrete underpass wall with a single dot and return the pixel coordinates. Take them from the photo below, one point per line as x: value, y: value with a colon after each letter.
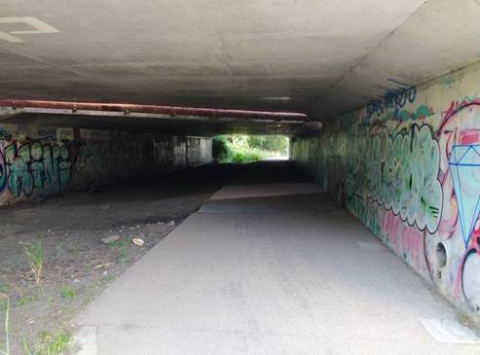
x: 308, y: 154
x: 38, y: 162
x: 408, y: 167
x: 198, y: 151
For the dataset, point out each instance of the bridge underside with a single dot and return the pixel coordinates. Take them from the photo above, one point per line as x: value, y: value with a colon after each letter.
x: 380, y: 100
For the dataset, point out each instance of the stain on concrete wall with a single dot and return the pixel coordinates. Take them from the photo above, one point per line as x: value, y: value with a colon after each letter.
x: 35, y: 163
x: 198, y: 151
x: 409, y: 168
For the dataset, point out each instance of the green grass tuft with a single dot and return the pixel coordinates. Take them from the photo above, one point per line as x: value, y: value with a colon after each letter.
x: 34, y: 252
x: 123, y: 247
x: 67, y: 292
x: 49, y: 344
x: 24, y: 300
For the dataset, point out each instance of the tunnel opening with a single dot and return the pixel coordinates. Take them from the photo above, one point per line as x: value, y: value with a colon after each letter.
x: 241, y: 148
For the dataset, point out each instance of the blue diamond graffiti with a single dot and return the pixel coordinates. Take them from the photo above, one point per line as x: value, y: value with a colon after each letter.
x: 465, y: 166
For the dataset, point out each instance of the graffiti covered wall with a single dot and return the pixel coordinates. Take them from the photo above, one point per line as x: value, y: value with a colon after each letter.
x: 408, y: 166
x: 35, y: 163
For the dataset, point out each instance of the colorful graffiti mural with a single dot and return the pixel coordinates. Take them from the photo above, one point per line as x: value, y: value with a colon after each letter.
x: 402, y: 174
x: 36, y: 162
x: 391, y: 100
x: 459, y: 135
x: 465, y: 168
x: 410, y: 164
x: 422, y: 171
x: 34, y: 167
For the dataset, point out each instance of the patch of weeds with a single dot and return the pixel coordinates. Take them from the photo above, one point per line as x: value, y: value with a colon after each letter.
x: 49, y: 344
x: 109, y: 277
x: 5, y: 289
x: 6, y: 307
x: 463, y: 318
x: 67, y: 292
x: 122, y: 256
x: 24, y: 300
x: 122, y: 246
x: 34, y: 252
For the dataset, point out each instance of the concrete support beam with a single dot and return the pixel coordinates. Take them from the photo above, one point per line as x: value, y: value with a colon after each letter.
x: 166, y: 119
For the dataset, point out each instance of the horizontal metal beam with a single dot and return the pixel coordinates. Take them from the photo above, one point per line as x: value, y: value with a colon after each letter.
x: 172, y: 111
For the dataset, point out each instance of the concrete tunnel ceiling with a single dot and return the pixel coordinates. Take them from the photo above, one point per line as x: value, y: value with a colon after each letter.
x: 314, y: 56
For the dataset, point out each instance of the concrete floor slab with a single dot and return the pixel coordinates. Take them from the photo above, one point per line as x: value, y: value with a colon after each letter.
x: 270, y: 203
x: 291, y: 282
x: 264, y: 190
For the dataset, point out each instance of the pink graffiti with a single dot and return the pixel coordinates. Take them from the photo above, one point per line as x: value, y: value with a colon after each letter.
x: 407, y: 241
x: 471, y: 136
x: 453, y: 133
x: 472, y: 248
x: 455, y: 107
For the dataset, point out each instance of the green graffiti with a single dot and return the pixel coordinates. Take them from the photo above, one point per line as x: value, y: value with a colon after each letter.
x: 400, y: 173
x: 422, y: 112
x: 20, y: 179
x: 37, y: 167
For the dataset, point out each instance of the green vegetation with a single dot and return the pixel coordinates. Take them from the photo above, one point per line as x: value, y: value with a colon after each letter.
x: 123, y: 247
x: 463, y: 318
x: 24, y: 300
x: 34, y: 252
x: 67, y: 292
x: 246, y: 149
x: 4, y: 290
x: 119, y: 244
x: 49, y: 344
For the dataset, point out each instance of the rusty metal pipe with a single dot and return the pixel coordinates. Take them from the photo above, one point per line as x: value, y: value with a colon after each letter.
x: 153, y: 109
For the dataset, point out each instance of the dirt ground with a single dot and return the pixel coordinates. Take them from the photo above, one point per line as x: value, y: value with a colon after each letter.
x: 76, y: 266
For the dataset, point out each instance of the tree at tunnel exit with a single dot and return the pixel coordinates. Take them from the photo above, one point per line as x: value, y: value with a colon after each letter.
x: 245, y: 149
